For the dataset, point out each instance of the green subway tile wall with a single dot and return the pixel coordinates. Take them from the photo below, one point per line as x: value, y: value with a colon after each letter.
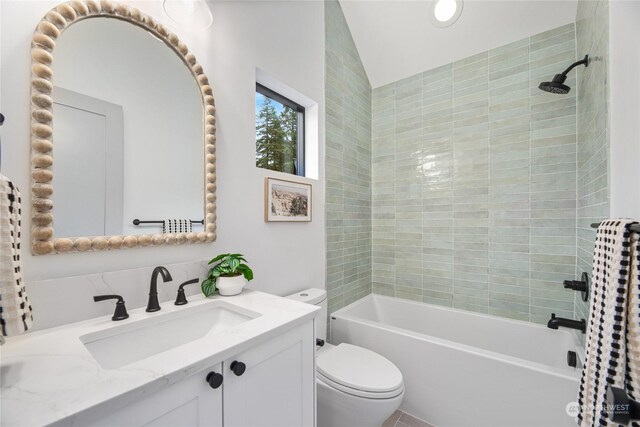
x: 592, y: 34
x: 348, y: 164
x: 474, y: 179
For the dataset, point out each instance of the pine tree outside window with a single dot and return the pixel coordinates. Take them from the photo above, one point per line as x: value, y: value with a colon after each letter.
x: 279, y: 132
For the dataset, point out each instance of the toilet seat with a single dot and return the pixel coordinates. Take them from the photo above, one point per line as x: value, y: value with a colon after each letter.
x: 359, y: 372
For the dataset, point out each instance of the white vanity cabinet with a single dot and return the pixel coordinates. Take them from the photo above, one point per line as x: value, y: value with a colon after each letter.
x: 272, y: 384
x: 190, y: 402
x: 277, y: 389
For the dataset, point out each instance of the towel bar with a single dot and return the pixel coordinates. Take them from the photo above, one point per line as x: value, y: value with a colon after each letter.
x: 138, y: 222
x: 633, y: 227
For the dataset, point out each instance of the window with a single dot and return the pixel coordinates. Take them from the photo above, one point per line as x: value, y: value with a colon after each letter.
x: 279, y: 132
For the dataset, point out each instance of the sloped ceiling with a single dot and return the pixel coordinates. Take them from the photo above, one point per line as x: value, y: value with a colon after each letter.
x: 396, y: 38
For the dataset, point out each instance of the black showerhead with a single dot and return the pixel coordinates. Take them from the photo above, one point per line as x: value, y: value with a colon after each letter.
x: 557, y: 84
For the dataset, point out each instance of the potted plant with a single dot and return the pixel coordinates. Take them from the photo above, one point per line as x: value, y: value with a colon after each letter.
x: 228, y: 276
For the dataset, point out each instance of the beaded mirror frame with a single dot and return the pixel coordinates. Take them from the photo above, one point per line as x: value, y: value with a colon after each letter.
x: 48, y: 30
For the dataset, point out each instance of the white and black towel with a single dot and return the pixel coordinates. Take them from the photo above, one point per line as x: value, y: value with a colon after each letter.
x: 613, y: 331
x: 15, y: 309
x: 176, y: 226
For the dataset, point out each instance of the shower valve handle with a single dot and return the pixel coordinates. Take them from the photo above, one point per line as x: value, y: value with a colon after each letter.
x: 576, y: 285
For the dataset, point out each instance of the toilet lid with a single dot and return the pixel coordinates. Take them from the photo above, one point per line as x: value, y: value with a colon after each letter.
x: 359, y: 369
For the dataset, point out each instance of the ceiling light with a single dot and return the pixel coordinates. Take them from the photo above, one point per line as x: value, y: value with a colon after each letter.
x: 189, y: 13
x: 446, y: 12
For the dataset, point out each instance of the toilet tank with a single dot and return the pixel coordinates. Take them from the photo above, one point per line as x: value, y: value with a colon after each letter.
x: 316, y: 297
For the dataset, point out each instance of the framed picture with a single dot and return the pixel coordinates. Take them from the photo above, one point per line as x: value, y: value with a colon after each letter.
x: 286, y: 201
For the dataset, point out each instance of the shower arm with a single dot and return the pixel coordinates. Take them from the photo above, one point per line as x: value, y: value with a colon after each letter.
x: 585, y: 61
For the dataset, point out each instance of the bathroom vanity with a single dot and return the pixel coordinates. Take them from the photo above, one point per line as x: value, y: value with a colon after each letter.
x: 246, y: 360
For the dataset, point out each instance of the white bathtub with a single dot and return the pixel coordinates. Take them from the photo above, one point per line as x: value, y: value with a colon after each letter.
x: 467, y: 369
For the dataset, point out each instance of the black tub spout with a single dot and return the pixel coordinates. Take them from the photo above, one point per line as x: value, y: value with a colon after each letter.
x: 555, y: 322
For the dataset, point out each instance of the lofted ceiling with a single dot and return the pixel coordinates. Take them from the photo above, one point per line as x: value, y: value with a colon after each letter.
x: 397, y: 38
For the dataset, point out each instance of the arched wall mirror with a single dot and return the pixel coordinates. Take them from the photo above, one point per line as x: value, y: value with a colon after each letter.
x: 123, y: 133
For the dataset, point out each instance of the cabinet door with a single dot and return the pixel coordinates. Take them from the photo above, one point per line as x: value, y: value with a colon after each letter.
x: 190, y: 402
x: 277, y: 388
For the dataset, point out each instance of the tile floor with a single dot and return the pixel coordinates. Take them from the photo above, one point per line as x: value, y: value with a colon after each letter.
x: 400, y: 419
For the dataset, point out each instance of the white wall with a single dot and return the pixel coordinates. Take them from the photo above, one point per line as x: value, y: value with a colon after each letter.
x: 285, y: 39
x: 624, y: 84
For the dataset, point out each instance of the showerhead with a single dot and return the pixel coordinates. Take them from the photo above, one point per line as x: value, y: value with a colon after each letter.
x: 557, y: 84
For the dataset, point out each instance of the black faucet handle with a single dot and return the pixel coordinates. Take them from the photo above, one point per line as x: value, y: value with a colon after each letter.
x: 99, y: 298
x: 181, y: 298
x: 576, y: 285
x: 120, y: 312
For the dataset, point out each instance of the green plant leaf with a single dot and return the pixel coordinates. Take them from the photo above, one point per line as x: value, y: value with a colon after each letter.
x: 246, y: 271
x: 208, y: 287
x: 218, y: 258
x: 233, y: 264
x: 238, y: 257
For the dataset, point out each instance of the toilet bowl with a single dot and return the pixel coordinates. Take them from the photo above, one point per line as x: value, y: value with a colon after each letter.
x: 356, y: 387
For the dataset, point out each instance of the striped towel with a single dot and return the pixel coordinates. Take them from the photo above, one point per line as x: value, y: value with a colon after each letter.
x: 613, y: 334
x: 176, y: 226
x: 15, y: 309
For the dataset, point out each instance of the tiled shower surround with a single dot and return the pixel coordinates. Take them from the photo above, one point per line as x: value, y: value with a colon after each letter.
x: 592, y: 33
x: 474, y: 182
x: 348, y: 164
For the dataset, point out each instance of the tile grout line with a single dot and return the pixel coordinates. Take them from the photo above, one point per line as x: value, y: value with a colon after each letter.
x: 530, y: 170
x: 453, y: 186
x: 575, y: 299
x: 489, y: 104
x: 395, y: 206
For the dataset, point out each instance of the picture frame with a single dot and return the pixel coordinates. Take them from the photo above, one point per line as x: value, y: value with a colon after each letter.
x: 287, y: 201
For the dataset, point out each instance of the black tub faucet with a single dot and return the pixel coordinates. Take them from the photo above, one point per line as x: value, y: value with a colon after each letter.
x: 554, y: 322
x: 153, y: 304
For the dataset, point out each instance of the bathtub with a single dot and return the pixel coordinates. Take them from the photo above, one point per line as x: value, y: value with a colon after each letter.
x: 467, y: 369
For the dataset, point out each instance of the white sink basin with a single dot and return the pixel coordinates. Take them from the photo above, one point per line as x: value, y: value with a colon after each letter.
x: 128, y: 343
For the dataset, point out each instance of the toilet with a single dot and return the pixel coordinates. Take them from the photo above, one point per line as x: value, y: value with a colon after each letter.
x: 356, y: 387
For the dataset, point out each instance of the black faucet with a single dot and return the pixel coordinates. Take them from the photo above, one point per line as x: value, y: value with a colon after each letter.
x: 181, y: 298
x: 554, y: 322
x: 153, y: 304
x: 121, y: 311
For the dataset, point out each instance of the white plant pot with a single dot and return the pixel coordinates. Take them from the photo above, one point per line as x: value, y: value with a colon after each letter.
x: 228, y: 286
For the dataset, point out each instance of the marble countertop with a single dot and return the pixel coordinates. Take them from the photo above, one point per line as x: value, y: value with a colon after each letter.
x: 49, y: 377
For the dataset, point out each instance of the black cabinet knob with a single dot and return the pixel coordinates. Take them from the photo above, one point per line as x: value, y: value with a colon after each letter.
x: 572, y: 359
x: 238, y: 368
x: 214, y: 379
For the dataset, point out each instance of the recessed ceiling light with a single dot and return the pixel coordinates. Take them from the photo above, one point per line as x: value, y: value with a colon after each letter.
x: 446, y: 12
